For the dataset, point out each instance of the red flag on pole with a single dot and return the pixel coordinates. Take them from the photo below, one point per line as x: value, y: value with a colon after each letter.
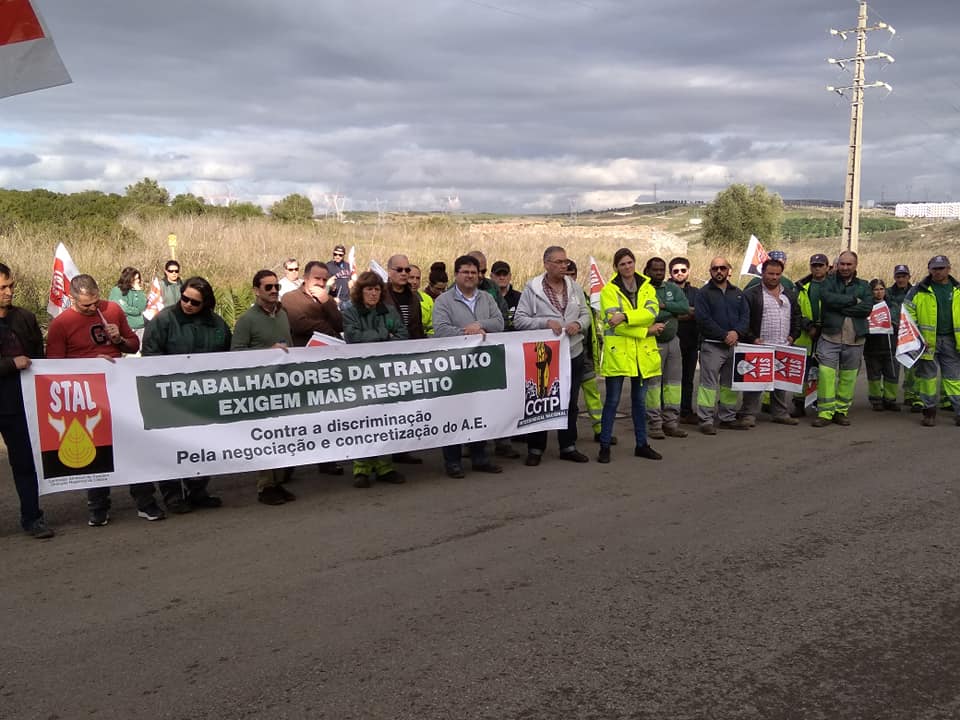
x: 154, y: 300
x: 753, y: 258
x: 28, y: 58
x: 596, y: 284
x: 64, y: 271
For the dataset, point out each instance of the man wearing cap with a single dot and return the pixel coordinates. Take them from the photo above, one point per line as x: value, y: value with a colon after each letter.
x: 774, y: 320
x: 934, y: 304
x: 501, y: 276
x: 811, y: 319
x: 896, y: 294
x: 846, y: 301
x: 786, y: 282
x: 339, y: 270
x: 723, y: 318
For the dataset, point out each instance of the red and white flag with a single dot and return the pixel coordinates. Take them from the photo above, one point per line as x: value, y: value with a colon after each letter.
x: 28, y: 58
x: 789, y: 368
x: 596, y: 284
x: 880, y: 322
x: 753, y: 367
x: 910, y: 343
x: 64, y: 271
x: 352, y: 262
x: 753, y: 258
x: 154, y: 300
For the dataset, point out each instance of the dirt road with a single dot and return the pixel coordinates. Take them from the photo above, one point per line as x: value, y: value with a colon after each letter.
x: 777, y: 573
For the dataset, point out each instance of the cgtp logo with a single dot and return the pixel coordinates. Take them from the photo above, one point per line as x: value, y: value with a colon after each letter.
x: 541, y: 362
x: 76, y: 432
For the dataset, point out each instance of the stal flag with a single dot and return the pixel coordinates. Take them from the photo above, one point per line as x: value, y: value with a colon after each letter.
x: 64, y: 271
x: 154, y: 300
x: 753, y: 367
x: 910, y: 344
x: 810, y: 391
x: 754, y: 258
x: 879, y: 322
x: 789, y: 368
x: 596, y: 285
x: 28, y: 58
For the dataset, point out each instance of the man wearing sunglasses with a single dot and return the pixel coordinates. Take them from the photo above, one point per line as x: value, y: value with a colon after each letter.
x: 171, y: 284
x: 689, y: 336
x: 291, y: 279
x: 265, y: 325
x: 340, y: 270
x: 723, y: 318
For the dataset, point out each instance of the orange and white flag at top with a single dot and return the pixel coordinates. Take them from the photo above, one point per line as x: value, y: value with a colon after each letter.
x: 754, y: 258
x: 596, y: 284
x: 28, y: 58
x: 64, y: 271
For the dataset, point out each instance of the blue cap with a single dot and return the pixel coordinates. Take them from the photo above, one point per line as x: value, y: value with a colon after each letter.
x: 938, y: 261
x: 777, y: 255
x: 901, y: 270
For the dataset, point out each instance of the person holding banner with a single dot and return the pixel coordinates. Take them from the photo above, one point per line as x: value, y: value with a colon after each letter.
x: 370, y: 319
x: 21, y: 341
x: 879, y: 352
x: 95, y: 328
x: 629, y: 309
x: 265, y: 325
x: 311, y: 308
x: 128, y: 294
x: 552, y: 300
x: 896, y: 294
x: 847, y: 302
x: 774, y: 320
x: 934, y: 304
x: 663, y: 391
x: 464, y: 309
x: 723, y: 318
x: 189, y: 327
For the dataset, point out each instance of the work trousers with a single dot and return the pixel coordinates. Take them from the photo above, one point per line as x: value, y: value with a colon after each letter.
x: 779, y: 403
x: 883, y: 376
x: 946, y: 360
x: 663, y: 393
x: 13, y: 429
x: 839, y: 365
x: 716, y: 380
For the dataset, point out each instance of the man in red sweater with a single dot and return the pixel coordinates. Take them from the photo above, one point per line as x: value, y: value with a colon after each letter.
x: 91, y: 328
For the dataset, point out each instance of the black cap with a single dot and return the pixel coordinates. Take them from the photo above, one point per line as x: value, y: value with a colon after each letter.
x: 571, y: 266
x: 340, y: 248
x: 938, y: 261
x: 901, y: 270
x: 500, y: 268
x: 819, y: 259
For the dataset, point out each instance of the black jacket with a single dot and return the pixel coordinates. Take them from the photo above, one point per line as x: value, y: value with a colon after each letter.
x: 754, y: 297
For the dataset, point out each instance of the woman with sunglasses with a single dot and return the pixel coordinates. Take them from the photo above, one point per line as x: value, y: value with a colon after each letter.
x: 190, y: 326
x: 628, y: 307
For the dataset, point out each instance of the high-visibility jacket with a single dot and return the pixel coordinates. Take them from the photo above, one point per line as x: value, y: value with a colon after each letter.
x: 628, y: 351
x: 809, y: 313
x: 921, y: 304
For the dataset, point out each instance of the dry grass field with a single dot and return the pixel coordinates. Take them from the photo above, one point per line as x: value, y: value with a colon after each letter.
x: 228, y: 252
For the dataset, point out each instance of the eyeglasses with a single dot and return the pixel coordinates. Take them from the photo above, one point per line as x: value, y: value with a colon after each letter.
x: 293, y: 269
x: 402, y: 270
x: 270, y: 287
x: 677, y: 271
x: 714, y: 268
x: 191, y: 301
x: 173, y: 271
x: 338, y: 254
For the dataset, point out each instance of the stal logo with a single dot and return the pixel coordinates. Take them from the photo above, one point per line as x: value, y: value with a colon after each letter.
x: 541, y: 362
x: 76, y: 434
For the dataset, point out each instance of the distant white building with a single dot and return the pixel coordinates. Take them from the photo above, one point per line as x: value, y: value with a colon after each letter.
x: 928, y: 210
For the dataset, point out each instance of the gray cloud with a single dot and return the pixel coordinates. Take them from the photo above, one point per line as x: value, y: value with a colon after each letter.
x: 522, y: 107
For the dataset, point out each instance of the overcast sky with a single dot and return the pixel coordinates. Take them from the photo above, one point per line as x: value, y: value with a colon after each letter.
x: 509, y: 105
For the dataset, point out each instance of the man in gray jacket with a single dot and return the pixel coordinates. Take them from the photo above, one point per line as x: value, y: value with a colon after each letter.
x: 464, y: 309
x: 552, y: 300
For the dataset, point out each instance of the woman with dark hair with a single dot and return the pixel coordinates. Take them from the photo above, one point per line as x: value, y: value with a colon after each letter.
x: 880, y: 356
x: 629, y: 308
x: 368, y: 319
x: 437, y: 280
x: 191, y: 326
x: 129, y: 295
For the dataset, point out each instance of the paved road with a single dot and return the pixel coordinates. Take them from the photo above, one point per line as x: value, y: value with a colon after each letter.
x: 779, y: 573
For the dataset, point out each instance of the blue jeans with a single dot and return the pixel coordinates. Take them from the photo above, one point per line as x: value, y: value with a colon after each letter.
x: 638, y: 390
x: 453, y: 454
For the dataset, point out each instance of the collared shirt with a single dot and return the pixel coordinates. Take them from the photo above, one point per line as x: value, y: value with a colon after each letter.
x: 471, y: 302
x: 557, y: 299
x: 775, y: 325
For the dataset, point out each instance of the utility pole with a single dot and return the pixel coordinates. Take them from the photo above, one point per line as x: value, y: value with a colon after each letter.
x: 851, y: 192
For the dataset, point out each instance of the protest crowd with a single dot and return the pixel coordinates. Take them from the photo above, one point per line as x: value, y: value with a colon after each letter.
x: 648, y: 324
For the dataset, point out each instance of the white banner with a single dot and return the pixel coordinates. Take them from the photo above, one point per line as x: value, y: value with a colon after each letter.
x: 98, y: 423
x: 769, y: 367
x: 28, y: 58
